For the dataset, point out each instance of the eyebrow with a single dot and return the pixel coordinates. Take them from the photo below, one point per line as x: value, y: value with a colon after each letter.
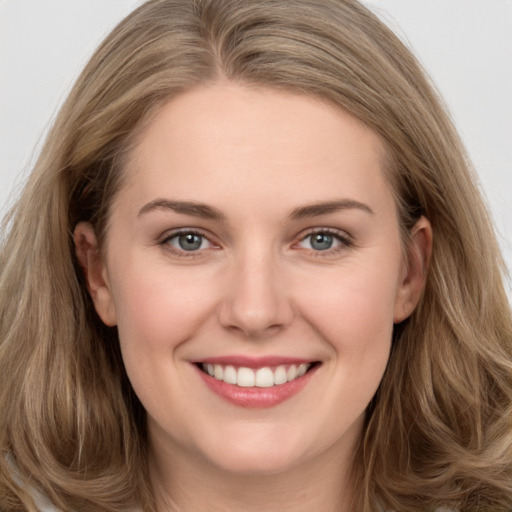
x: 314, y: 210
x: 186, y: 207
x: 208, y: 212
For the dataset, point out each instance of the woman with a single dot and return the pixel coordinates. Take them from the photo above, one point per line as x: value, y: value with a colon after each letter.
x: 244, y: 275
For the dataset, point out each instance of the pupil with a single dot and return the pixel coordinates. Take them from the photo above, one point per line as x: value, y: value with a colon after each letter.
x: 321, y: 241
x: 190, y: 242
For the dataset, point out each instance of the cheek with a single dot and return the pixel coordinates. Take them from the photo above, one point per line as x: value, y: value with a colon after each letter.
x: 353, y: 310
x: 158, y: 308
x: 157, y: 311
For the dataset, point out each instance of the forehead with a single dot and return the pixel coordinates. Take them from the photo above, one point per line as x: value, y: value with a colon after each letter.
x: 226, y: 139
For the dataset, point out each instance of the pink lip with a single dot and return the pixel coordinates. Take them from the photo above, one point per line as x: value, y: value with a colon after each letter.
x: 253, y: 362
x: 255, y: 397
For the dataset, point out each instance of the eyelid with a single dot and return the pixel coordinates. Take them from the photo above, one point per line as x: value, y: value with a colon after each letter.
x: 168, y: 235
x: 345, y: 239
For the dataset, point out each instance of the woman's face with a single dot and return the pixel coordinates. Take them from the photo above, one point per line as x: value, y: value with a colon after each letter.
x: 256, y: 238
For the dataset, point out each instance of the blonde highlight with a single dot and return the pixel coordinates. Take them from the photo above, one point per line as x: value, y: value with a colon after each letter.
x: 438, y: 431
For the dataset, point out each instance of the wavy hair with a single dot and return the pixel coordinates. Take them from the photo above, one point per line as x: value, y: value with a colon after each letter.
x: 438, y: 431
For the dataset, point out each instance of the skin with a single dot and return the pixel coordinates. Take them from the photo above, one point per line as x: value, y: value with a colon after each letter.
x: 256, y: 286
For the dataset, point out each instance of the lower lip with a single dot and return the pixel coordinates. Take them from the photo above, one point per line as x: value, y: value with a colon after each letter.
x: 255, y: 397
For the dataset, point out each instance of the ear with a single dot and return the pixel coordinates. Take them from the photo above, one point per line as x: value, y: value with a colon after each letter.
x: 93, y: 266
x: 417, y: 258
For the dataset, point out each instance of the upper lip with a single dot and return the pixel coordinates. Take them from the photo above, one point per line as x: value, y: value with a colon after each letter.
x: 253, y: 362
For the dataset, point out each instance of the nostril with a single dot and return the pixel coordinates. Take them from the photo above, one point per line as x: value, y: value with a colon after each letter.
x: 255, y: 332
x: 255, y: 309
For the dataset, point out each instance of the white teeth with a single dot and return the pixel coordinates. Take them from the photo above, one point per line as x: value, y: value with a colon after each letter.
x: 265, y: 377
x: 246, y: 377
x: 218, y: 372
x: 303, y: 368
x: 280, y: 376
x: 291, y: 374
x: 230, y: 375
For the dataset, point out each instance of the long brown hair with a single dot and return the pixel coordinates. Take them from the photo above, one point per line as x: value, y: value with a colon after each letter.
x: 438, y: 431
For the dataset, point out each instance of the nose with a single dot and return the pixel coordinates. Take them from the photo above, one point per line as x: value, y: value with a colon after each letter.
x: 256, y: 302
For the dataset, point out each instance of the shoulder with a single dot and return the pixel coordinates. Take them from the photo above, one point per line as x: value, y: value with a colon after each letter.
x: 42, y: 503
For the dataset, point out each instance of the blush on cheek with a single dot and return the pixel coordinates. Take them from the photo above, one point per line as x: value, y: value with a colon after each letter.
x: 154, y: 311
x: 357, y: 302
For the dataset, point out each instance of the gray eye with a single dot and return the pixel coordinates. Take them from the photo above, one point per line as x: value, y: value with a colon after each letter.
x: 188, y: 242
x: 321, y: 241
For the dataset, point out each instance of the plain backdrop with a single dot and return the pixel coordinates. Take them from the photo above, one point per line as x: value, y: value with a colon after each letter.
x: 465, y: 45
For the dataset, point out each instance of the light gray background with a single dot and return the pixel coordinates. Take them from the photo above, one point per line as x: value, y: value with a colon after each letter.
x: 465, y: 45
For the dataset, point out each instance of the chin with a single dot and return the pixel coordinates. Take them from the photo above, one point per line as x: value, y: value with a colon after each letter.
x: 255, y: 456
x: 257, y: 464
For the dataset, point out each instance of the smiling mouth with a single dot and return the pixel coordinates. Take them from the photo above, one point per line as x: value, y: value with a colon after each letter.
x: 265, y: 377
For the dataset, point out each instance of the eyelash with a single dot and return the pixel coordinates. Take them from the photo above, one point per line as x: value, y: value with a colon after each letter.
x: 344, y: 242
x: 182, y: 253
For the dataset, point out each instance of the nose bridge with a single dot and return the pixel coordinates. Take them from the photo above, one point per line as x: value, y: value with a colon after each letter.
x: 256, y: 302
